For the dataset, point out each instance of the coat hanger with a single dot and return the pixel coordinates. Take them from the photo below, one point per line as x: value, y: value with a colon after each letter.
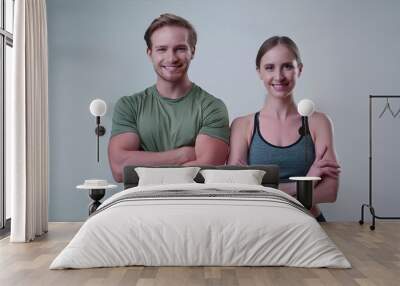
x: 387, y: 107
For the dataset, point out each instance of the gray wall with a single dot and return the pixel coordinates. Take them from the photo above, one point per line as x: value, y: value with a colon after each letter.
x: 350, y: 50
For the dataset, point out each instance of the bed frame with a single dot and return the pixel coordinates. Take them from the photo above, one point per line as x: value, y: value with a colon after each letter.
x: 270, y: 179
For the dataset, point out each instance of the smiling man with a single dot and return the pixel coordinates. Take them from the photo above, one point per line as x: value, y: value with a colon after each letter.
x: 173, y: 122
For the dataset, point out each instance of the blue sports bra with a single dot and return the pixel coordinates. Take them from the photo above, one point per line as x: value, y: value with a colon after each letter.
x: 290, y: 159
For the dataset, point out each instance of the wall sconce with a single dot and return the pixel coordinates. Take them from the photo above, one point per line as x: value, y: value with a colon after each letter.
x: 304, y: 185
x: 98, y: 108
x: 305, y: 108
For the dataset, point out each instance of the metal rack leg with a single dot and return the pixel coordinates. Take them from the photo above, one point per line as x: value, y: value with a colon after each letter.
x: 374, y: 216
x: 361, y: 221
x: 372, y: 211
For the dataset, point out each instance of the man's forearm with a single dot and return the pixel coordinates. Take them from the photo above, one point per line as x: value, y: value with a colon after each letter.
x: 209, y: 151
x: 216, y: 160
x: 199, y: 162
x: 142, y: 158
x: 145, y: 158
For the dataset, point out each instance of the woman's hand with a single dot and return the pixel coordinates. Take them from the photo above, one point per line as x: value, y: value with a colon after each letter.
x: 323, y: 167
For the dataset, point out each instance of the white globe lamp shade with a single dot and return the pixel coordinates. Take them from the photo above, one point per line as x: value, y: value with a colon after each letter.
x: 98, y: 107
x: 305, y: 107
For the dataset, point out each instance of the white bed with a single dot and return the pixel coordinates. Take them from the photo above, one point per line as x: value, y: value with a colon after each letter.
x: 203, y: 225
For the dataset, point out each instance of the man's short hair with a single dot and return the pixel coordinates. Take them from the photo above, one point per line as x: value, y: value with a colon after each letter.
x: 170, y: 20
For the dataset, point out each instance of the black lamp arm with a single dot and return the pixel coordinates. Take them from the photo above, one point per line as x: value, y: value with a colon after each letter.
x: 100, y: 131
x: 306, y: 131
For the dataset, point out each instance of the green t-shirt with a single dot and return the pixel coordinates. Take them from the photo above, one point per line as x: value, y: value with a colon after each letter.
x: 164, y: 124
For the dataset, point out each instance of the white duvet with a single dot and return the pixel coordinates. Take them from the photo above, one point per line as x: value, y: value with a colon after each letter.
x: 206, y: 230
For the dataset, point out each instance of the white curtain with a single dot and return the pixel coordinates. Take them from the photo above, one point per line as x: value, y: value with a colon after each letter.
x: 27, y: 128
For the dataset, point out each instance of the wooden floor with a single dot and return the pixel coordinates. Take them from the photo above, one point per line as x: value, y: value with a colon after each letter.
x: 374, y: 255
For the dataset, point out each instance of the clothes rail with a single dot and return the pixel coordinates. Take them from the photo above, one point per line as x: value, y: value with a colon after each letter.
x: 370, y: 205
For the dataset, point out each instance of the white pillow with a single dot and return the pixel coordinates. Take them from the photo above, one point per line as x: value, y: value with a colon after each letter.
x: 162, y: 176
x: 249, y: 177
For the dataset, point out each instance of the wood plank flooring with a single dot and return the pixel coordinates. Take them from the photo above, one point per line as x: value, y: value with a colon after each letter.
x: 374, y: 255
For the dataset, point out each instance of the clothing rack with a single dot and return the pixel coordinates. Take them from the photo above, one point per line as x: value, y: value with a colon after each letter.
x: 369, y: 205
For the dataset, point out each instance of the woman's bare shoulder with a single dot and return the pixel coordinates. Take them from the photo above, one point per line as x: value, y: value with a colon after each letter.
x: 243, y: 121
x: 320, y: 119
x: 243, y: 125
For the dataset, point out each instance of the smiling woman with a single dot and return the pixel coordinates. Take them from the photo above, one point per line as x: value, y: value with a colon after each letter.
x: 273, y: 135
